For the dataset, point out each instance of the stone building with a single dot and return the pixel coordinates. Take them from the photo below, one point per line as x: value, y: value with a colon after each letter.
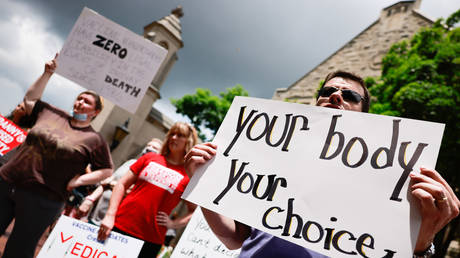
x: 362, y: 54
x: 147, y: 122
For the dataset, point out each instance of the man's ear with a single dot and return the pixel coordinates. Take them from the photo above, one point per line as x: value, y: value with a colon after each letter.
x: 96, y: 112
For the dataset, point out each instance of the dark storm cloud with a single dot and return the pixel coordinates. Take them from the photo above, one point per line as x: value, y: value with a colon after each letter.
x: 261, y: 44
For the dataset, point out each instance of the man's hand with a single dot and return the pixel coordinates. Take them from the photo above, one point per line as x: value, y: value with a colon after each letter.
x: 438, y: 204
x: 51, y: 65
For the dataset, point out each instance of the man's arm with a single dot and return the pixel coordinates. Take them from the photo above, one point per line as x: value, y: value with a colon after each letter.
x: 89, y: 178
x: 88, y: 202
x: 35, y: 90
x: 230, y: 232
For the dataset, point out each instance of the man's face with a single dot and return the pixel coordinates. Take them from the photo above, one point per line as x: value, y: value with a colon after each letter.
x: 85, y: 104
x: 336, y: 99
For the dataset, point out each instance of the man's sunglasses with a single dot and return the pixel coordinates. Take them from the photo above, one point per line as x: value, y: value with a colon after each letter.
x: 347, y: 95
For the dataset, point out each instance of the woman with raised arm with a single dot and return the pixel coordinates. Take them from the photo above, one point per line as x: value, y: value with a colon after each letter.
x: 36, y: 181
x: 159, y: 180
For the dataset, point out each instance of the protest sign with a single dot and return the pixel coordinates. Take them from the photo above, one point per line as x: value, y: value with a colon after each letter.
x: 10, y: 135
x: 103, y: 56
x: 199, y: 241
x: 74, y: 238
x: 331, y: 180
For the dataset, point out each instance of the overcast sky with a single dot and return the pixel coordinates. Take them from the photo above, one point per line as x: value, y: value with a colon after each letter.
x: 260, y: 44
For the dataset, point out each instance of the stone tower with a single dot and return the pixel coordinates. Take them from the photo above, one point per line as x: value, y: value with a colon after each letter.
x: 166, y: 33
x: 146, y: 123
x: 362, y: 54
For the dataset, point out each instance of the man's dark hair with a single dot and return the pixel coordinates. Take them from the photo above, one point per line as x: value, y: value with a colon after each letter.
x: 353, y: 77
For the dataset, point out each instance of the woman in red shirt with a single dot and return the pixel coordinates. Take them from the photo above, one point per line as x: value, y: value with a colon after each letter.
x: 159, y: 180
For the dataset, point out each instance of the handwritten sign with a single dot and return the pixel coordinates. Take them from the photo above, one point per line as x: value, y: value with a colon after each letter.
x: 105, y: 57
x: 199, y: 241
x: 333, y: 181
x: 10, y: 135
x: 74, y: 238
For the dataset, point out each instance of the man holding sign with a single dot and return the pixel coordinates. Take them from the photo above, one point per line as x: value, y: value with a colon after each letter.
x: 36, y: 181
x: 341, y: 90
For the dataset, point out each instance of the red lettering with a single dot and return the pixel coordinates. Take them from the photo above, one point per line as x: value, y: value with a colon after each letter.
x: 105, y: 253
x: 76, y: 248
x: 84, y: 250
x: 62, y: 238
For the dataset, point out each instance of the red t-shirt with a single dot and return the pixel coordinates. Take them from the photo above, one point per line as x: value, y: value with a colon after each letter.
x: 158, y: 188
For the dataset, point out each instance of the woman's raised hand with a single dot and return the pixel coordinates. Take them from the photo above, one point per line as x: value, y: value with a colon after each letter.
x: 199, y: 155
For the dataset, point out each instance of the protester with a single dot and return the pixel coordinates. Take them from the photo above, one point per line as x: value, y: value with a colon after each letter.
x: 19, y: 117
x: 341, y: 90
x: 101, y: 196
x: 36, y: 181
x: 159, y: 180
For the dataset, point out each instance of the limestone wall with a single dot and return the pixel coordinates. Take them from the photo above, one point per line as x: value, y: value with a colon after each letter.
x: 363, y: 54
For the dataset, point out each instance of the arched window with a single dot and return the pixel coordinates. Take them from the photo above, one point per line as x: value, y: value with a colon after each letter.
x: 164, y: 44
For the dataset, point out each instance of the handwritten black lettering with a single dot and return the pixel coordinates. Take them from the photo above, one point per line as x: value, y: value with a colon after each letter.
x: 313, y: 232
x: 132, y: 90
x: 407, y: 168
x: 106, y: 43
x: 253, y: 186
x: 268, y: 128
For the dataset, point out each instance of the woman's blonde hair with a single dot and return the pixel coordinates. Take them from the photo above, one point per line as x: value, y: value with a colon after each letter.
x: 184, y: 128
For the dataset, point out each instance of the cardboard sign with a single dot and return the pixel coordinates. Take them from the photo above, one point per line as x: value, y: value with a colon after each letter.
x: 103, y: 56
x: 333, y: 181
x: 11, y: 135
x: 199, y: 241
x: 74, y: 238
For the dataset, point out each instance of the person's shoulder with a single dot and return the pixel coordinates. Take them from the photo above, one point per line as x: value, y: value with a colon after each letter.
x: 42, y: 105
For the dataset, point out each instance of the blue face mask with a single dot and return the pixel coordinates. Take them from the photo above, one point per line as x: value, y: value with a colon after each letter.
x: 79, y: 117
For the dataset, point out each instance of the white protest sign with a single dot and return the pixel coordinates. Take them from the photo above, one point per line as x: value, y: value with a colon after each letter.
x: 11, y: 135
x: 330, y: 180
x: 74, y: 238
x: 103, y: 56
x: 199, y: 241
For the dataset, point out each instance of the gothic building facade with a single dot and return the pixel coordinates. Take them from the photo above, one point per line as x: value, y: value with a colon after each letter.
x: 362, y: 54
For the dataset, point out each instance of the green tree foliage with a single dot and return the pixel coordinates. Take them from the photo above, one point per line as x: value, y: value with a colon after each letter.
x: 206, y: 110
x: 421, y: 80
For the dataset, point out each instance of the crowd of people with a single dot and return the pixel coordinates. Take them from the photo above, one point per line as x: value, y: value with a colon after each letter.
x: 65, y: 167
